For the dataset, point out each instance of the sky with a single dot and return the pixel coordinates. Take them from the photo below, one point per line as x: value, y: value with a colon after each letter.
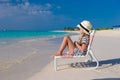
x: 46, y: 15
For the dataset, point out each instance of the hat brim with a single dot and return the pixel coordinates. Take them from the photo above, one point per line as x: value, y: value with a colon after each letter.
x: 82, y: 29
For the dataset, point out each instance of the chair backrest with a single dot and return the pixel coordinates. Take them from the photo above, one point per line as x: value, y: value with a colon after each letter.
x: 91, y: 39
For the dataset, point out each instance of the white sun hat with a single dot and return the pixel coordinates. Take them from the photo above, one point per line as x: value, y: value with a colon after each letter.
x: 85, y: 26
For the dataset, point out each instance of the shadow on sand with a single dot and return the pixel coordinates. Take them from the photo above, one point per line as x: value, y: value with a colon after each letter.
x: 102, y: 64
x: 108, y: 63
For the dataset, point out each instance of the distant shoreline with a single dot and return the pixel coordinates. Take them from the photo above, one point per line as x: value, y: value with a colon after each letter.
x: 100, y: 29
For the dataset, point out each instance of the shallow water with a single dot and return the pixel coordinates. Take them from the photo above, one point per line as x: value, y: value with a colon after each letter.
x: 18, y: 49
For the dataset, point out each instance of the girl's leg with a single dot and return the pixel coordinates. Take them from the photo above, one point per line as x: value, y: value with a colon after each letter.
x: 66, y: 42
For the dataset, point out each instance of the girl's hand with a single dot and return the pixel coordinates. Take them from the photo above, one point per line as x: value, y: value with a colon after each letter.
x: 76, y: 43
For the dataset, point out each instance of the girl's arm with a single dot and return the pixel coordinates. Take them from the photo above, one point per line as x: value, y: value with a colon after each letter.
x: 80, y: 47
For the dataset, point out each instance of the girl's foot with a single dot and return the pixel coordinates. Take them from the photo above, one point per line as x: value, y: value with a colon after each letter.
x: 57, y: 54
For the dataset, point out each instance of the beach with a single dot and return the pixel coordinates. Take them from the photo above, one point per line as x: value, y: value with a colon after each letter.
x: 23, y: 57
x: 37, y: 64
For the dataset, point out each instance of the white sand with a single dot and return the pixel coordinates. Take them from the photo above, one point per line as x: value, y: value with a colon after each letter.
x: 106, y: 47
x: 21, y: 60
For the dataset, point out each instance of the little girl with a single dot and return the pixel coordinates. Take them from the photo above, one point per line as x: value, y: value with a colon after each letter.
x: 77, y: 47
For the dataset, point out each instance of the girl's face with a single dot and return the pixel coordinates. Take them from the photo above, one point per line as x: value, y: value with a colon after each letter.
x: 81, y: 31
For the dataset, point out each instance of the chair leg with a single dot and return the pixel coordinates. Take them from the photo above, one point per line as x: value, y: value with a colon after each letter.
x: 55, y: 63
x: 94, y: 57
x: 91, y: 58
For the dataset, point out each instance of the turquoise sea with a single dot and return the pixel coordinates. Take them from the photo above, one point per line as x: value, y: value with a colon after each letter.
x: 27, y: 34
x: 11, y: 36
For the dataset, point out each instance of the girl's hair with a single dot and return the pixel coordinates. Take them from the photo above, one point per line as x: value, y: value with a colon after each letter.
x: 82, y: 37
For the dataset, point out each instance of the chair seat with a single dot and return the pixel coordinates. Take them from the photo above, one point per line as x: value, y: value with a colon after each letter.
x: 71, y: 57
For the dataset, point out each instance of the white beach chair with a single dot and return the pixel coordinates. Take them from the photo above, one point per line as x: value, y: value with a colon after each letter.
x: 88, y: 53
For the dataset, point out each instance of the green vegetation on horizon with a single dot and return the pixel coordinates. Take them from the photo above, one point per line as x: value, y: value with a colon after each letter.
x: 75, y: 29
